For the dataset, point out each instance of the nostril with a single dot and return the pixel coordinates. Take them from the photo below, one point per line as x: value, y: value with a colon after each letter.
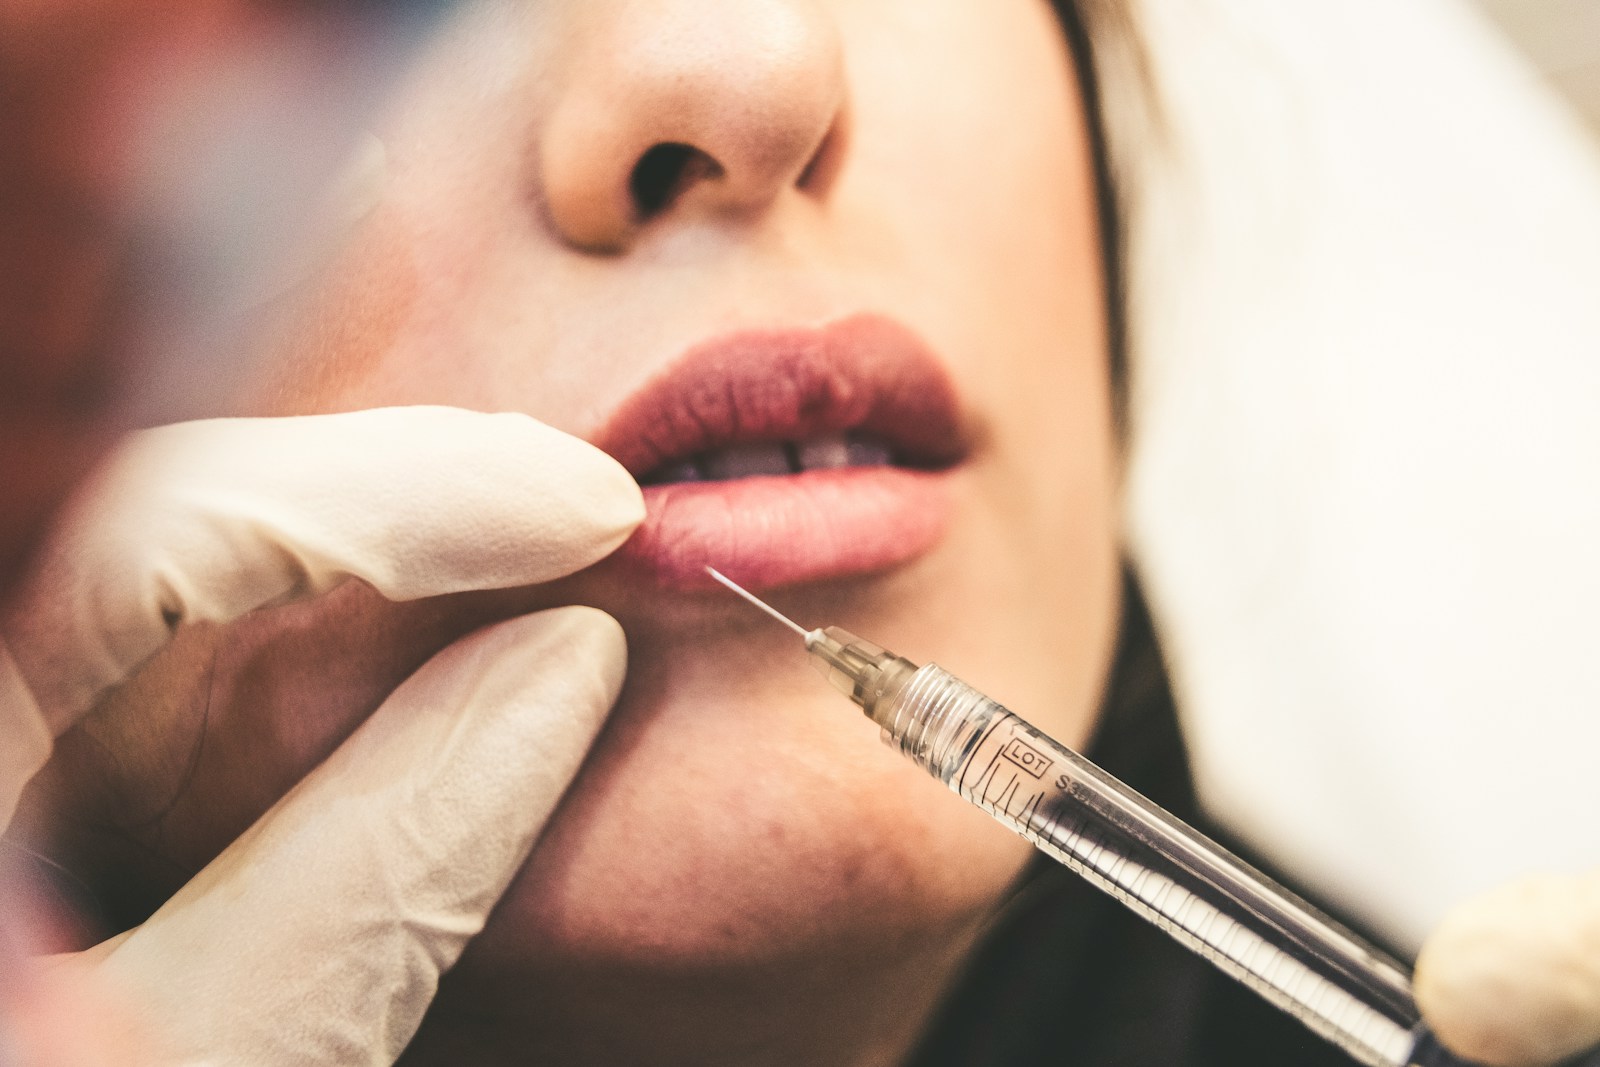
x: 664, y: 172
x: 823, y: 166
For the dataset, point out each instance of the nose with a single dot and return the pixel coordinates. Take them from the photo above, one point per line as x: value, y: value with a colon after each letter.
x: 688, y: 109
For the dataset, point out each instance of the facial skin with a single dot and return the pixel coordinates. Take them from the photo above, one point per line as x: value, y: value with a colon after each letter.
x: 741, y: 873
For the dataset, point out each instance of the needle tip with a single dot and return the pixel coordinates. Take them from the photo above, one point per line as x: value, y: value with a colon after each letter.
x: 757, y: 601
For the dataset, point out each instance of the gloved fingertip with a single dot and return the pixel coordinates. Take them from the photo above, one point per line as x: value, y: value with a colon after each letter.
x: 599, y: 490
x: 423, y: 501
x: 516, y: 502
x: 587, y: 639
x: 614, y: 505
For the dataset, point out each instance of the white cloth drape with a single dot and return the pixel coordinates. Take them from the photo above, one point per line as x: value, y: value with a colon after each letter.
x: 1364, y: 485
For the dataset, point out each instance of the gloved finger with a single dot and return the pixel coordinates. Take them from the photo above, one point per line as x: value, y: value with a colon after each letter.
x: 319, y: 936
x: 1512, y: 978
x: 206, y: 521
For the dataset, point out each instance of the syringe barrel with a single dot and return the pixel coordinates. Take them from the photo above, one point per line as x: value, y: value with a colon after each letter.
x: 1209, y: 900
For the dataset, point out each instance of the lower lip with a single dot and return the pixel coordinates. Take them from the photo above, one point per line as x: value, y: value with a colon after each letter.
x: 774, y: 531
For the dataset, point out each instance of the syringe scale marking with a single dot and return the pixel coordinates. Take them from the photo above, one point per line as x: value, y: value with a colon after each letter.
x: 1244, y: 954
x: 1159, y: 892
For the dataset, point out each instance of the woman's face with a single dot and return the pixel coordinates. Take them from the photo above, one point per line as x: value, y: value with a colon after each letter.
x: 692, y: 231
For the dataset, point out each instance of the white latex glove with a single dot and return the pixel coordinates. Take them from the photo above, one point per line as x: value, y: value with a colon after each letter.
x: 319, y: 936
x: 1512, y: 978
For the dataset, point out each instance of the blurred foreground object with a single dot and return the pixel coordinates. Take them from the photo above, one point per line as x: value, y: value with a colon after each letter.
x: 158, y: 163
x: 1512, y: 978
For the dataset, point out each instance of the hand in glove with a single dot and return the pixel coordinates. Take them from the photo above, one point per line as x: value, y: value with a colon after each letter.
x: 319, y: 936
x: 1512, y: 978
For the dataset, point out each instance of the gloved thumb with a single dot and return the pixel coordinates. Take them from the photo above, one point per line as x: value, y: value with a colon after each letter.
x: 1512, y: 978
x: 319, y: 936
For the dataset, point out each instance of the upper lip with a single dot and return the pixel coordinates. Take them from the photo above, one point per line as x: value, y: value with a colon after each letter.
x: 865, y: 374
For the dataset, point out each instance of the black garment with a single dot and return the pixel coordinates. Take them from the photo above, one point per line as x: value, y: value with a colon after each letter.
x: 1069, y: 976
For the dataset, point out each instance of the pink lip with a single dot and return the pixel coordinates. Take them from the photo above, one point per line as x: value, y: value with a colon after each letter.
x: 864, y: 374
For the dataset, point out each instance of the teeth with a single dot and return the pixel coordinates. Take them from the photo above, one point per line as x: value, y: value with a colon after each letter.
x: 823, y: 455
x: 868, y: 454
x: 747, y: 461
x: 686, y: 471
x: 775, y: 459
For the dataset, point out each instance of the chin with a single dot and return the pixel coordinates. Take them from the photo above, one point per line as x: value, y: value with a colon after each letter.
x: 736, y: 822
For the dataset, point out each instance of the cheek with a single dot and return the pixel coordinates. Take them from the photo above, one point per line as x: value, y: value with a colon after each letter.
x: 339, y: 342
x: 992, y: 194
x: 44, y: 455
x: 968, y: 150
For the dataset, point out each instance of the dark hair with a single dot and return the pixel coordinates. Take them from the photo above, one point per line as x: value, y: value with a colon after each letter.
x: 1083, y: 23
x: 1137, y: 694
x: 1136, y: 734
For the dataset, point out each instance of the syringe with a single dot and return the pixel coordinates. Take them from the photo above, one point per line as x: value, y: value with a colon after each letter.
x: 1256, y: 931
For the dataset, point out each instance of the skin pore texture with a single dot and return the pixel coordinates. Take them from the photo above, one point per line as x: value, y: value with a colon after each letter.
x: 741, y: 874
